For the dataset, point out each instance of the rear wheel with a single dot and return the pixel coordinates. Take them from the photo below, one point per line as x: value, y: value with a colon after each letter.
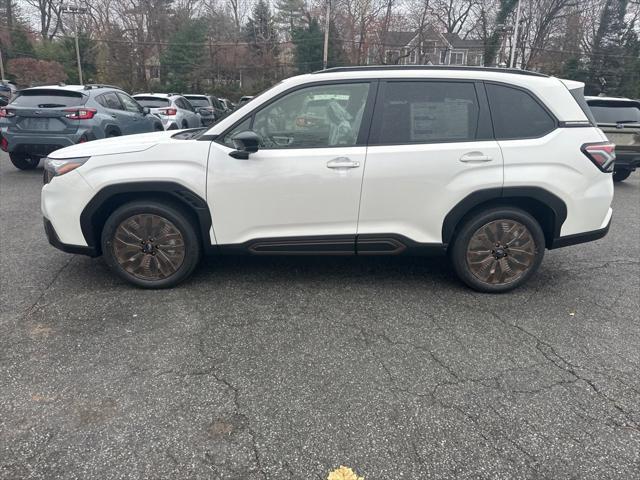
x: 620, y: 175
x: 151, y: 244
x: 498, y: 250
x: 24, y: 161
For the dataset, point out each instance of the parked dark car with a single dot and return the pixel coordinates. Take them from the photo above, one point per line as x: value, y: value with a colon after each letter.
x: 7, y: 90
x: 41, y: 120
x: 619, y: 119
x: 209, y: 108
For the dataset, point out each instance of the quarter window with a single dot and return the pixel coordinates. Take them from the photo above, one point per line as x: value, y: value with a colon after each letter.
x: 318, y: 116
x: 516, y: 114
x: 427, y: 112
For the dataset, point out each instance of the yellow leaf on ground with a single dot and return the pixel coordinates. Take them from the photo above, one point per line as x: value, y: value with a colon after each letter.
x: 343, y: 473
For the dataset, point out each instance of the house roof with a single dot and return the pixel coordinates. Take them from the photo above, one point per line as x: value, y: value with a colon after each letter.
x: 399, y: 39
x: 456, y: 42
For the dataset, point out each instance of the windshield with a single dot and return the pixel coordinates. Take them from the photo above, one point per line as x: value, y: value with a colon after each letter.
x: 152, y: 102
x: 616, y: 112
x: 198, y: 101
x: 41, y: 98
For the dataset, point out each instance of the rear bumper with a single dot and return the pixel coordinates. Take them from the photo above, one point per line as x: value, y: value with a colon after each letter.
x: 582, y: 237
x: 627, y: 160
x: 41, y: 145
x: 54, y: 240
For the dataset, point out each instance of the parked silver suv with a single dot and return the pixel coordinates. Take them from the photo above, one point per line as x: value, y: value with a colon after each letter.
x: 175, y: 111
x: 41, y: 120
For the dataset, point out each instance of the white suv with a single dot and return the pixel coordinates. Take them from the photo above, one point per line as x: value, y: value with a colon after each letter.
x: 490, y: 166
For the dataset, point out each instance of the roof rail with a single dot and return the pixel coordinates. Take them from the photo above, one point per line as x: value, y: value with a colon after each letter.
x: 89, y: 86
x: 366, y: 68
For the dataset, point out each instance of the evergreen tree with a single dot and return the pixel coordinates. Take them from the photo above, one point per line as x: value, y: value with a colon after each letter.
x: 260, y: 32
x: 183, y: 59
x: 308, y: 44
x: 290, y: 14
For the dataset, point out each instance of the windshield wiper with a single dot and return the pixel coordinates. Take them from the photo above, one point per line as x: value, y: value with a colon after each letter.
x: 628, y: 121
x: 51, y: 105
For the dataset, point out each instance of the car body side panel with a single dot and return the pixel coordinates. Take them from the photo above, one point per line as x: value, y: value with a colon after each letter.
x: 555, y: 163
x: 410, y: 189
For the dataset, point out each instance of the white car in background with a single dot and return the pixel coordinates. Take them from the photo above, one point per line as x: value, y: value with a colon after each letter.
x: 488, y: 166
x: 175, y: 111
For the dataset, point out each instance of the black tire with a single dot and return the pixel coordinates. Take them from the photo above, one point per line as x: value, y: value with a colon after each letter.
x: 621, y: 175
x: 113, y: 134
x: 177, y: 218
x: 185, y: 125
x: 470, y: 244
x: 23, y: 161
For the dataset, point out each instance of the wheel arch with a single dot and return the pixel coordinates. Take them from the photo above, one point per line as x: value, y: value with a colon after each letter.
x: 111, y: 128
x: 547, y: 208
x: 107, y: 200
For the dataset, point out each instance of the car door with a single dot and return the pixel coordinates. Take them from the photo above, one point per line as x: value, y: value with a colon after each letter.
x: 121, y: 118
x: 300, y: 191
x: 431, y: 145
x: 193, y: 119
x: 138, y: 121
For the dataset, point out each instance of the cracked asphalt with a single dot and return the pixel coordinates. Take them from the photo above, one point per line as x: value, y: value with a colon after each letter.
x: 272, y: 368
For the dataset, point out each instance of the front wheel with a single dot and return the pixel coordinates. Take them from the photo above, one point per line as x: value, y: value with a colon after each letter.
x: 498, y: 250
x: 23, y: 161
x: 151, y: 244
x: 621, y: 175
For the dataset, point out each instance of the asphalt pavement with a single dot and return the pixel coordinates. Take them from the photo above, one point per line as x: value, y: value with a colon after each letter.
x: 286, y: 368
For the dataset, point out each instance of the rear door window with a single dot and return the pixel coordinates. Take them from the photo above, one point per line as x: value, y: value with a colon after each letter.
x: 49, y: 98
x: 426, y: 112
x: 110, y: 100
x: 129, y: 103
x: 517, y: 114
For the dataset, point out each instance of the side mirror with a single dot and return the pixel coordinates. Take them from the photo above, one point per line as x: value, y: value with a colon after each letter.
x: 146, y: 110
x: 245, y: 142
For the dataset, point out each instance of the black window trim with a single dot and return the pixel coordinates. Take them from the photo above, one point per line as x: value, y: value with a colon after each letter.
x: 484, y: 120
x: 365, y: 124
x: 557, y: 123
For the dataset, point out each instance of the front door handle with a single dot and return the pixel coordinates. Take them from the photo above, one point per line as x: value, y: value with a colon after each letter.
x: 472, y: 157
x: 343, y: 162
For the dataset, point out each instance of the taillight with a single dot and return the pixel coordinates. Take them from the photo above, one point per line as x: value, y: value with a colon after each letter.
x: 603, y: 155
x: 4, y: 144
x: 80, y: 113
x: 5, y: 113
x: 168, y: 111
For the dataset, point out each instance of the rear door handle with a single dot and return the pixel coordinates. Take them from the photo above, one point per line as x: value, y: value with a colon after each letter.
x: 343, y: 162
x: 472, y: 157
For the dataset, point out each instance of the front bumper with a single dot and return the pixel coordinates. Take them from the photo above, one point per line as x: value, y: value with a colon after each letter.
x: 54, y: 240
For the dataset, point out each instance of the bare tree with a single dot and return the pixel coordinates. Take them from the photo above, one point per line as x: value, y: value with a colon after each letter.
x: 49, y: 13
x: 453, y: 15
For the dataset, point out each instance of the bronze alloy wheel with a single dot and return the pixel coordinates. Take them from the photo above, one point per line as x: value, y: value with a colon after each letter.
x: 501, y: 252
x: 148, y: 246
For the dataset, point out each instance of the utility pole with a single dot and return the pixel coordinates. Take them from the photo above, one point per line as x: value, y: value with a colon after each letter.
x: 1, y: 66
x: 325, y: 53
x: 514, y: 38
x: 75, y: 10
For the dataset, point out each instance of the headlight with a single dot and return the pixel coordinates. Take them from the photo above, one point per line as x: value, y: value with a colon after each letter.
x: 55, y: 166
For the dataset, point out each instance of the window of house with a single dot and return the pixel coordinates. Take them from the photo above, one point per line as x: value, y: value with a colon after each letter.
x: 457, y: 58
x: 427, y: 112
x: 391, y: 56
x: 476, y: 59
x: 412, y: 57
x: 516, y: 114
x: 443, y: 57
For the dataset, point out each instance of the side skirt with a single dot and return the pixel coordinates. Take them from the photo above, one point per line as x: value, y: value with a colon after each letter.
x: 366, y: 244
